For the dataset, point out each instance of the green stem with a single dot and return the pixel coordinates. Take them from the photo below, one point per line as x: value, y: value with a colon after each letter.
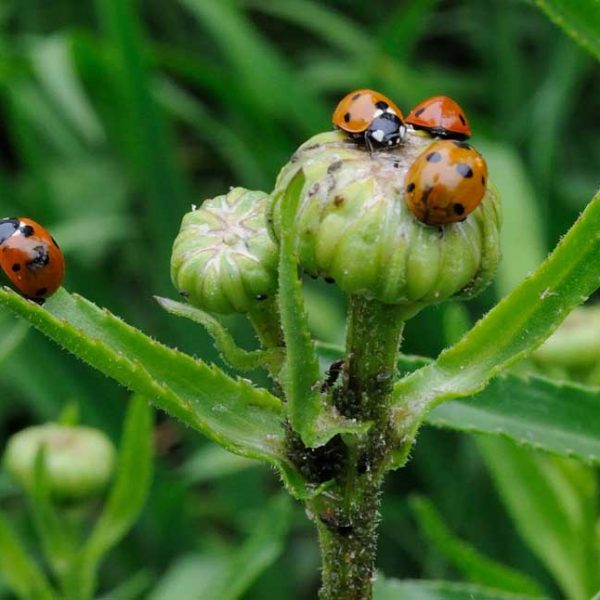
x: 347, y: 518
x: 266, y: 321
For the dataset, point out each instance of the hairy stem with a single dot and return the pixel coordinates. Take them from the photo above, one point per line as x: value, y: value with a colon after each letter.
x: 348, y: 516
x: 267, y: 324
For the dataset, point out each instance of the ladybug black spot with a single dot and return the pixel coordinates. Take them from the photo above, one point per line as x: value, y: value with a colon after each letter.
x: 356, y: 96
x: 482, y: 180
x: 434, y: 157
x: 16, y: 268
x: 459, y: 209
x: 462, y: 145
x: 381, y: 105
x: 420, y: 112
x: 462, y: 119
x: 465, y: 170
x: 347, y: 117
x: 26, y: 230
x: 410, y: 187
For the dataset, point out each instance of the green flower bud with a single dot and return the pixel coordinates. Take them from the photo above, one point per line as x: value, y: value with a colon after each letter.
x: 79, y: 461
x: 355, y: 227
x: 224, y: 259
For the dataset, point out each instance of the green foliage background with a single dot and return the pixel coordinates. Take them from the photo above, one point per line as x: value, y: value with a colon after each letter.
x: 115, y: 116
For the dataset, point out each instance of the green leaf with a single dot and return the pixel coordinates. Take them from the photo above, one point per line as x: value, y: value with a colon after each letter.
x: 511, y: 330
x: 241, y: 418
x: 270, y: 83
x: 132, y: 588
x: 18, y: 570
x: 53, y: 64
x: 198, y: 572
x: 127, y: 495
x: 476, y: 567
x: 535, y: 412
x: 237, y: 357
x: 213, y: 462
x: 301, y: 373
x: 259, y: 551
x: 13, y: 335
x: 308, y: 412
x: 229, y: 575
x: 553, y: 503
x: 392, y: 589
x: 578, y: 18
x: 57, y: 544
x: 145, y: 137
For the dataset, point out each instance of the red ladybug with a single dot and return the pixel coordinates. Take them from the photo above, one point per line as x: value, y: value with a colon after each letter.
x: 31, y: 258
x: 446, y: 182
x: 370, y: 117
x: 441, y: 117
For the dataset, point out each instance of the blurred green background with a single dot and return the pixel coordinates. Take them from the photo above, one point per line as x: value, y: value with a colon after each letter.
x: 116, y: 116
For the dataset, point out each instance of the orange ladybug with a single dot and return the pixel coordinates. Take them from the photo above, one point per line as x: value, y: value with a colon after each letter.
x: 370, y: 117
x: 441, y: 117
x: 31, y: 258
x: 446, y: 182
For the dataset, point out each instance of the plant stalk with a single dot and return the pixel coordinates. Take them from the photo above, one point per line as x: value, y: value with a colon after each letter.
x: 348, y: 516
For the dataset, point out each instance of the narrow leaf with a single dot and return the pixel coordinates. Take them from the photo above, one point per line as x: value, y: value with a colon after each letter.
x: 554, y: 506
x: 128, y: 493
x: 309, y: 415
x: 301, y: 370
x: 57, y: 545
x: 235, y: 356
x: 579, y: 19
x: 476, y: 567
x: 241, y: 418
x: 259, y: 551
x: 18, y: 570
x: 392, y: 589
x: 535, y: 412
x: 514, y: 328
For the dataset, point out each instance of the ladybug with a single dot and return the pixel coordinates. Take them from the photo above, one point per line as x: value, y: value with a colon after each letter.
x: 371, y: 117
x: 441, y: 117
x: 446, y: 182
x: 31, y: 258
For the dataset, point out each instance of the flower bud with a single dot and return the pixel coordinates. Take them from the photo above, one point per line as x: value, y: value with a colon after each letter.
x: 355, y: 227
x: 224, y: 259
x: 79, y: 461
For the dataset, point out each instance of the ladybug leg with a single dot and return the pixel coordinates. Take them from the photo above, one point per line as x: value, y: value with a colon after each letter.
x: 368, y: 143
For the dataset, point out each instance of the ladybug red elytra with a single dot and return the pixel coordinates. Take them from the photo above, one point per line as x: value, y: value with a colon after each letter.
x: 31, y: 258
x: 371, y: 117
x: 446, y: 182
x: 441, y: 117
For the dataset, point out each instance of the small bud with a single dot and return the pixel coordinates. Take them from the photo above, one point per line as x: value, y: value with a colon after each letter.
x: 224, y: 259
x: 355, y: 227
x: 79, y: 461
